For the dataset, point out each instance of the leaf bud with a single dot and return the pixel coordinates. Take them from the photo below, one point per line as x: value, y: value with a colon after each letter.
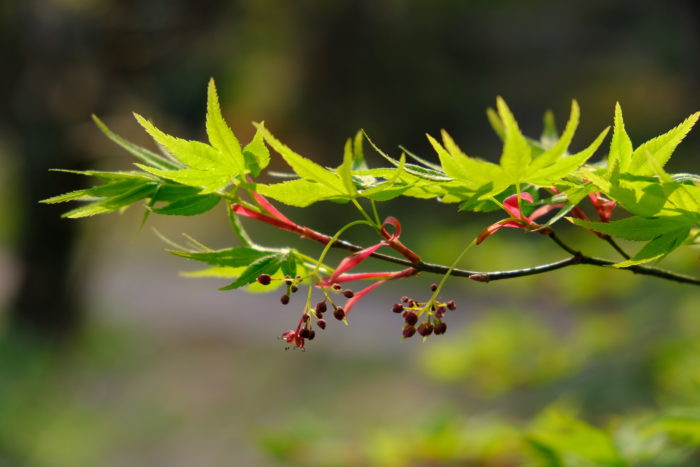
x: 425, y: 329
x: 410, y: 317
x: 264, y: 279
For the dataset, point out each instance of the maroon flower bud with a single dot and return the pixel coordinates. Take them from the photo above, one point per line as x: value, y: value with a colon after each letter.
x: 405, y: 299
x: 321, y: 307
x: 441, y: 309
x: 397, y: 308
x: 337, y: 287
x: 440, y: 328
x: 304, y: 333
x: 408, y: 331
x: 305, y: 317
x: 288, y: 280
x: 451, y: 305
x: 312, y: 334
x: 348, y: 293
x: 294, y: 289
x: 433, y: 287
x: 321, y: 323
x: 339, y: 313
x: 264, y: 279
x: 410, y: 317
x: 425, y: 329
x: 284, y: 299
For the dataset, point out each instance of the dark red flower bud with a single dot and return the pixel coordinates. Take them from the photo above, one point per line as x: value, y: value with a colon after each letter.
x: 264, y: 279
x: 284, y: 299
x: 321, y: 307
x: 305, y: 317
x: 337, y: 287
x: 348, y: 293
x: 410, y: 317
x: 451, y: 305
x: 405, y: 299
x: 397, y: 308
x: 304, y: 333
x: 321, y: 323
x: 433, y: 287
x: 440, y: 328
x: 425, y: 329
x: 288, y: 280
x: 408, y: 331
x: 293, y: 288
x: 441, y: 309
x: 339, y: 313
x: 312, y: 334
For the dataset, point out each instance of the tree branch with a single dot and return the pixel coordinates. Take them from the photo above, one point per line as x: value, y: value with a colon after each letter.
x: 576, y: 258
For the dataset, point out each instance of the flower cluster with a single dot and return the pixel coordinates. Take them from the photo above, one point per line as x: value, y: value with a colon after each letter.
x: 430, y: 314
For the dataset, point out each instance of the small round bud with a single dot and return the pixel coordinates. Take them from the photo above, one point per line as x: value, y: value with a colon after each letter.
x: 298, y: 278
x: 264, y: 279
x: 339, y: 313
x: 451, y: 305
x: 440, y: 328
x: 287, y: 280
x: 321, y: 308
x: 397, y: 308
x: 305, y: 317
x: 408, y: 331
x: 312, y: 334
x: 294, y: 288
x: 337, y: 287
x: 410, y: 317
x: 304, y: 333
x: 405, y: 299
x: 348, y: 293
x: 425, y: 329
x: 433, y: 287
x: 321, y: 323
x: 284, y: 299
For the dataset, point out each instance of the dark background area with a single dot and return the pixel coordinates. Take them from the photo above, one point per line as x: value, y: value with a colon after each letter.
x: 315, y: 72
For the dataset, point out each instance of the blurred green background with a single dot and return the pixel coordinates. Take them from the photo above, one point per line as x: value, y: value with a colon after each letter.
x: 111, y: 358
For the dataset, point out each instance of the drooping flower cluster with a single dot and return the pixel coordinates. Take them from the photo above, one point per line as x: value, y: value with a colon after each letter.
x: 430, y: 314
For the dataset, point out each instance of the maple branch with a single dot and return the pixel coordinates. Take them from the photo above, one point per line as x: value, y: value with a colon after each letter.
x: 576, y: 258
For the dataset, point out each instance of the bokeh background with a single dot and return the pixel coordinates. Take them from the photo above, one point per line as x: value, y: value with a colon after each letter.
x: 110, y: 357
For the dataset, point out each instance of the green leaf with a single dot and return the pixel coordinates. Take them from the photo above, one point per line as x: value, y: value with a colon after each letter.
x: 658, y: 247
x: 552, y: 173
x: 496, y: 123
x: 192, y: 153
x: 220, y: 135
x: 122, y: 200
x: 208, y: 180
x: 358, y: 162
x: 517, y: 153
x: 345, y: 169
x: 289, y: 264
x: 303, y: 167
x: 550, y: 133
x: 190, y: 206
x: 256, y: 154
x: 229, y: 257
x: 266, y: 265
x: 559, y: 148
x: 142, y: 154
x: 300, y: 192
x: 661, y: 147
x: 638, y: 228
x: 620, y: 146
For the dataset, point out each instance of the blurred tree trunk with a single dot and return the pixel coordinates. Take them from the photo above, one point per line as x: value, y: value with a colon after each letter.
x: 47, y: 302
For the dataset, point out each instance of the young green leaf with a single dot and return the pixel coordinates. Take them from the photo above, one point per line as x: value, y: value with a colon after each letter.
x: 256, y: 154
x: 638, y: 228
x: 620, y: 145
x: 300, y: 192
x: 553, y: 154
x: 517, y: 153
x: 230, y: 257
x: 266, y: 265
x: 189, y: 206
x: 658, y: 247
x: 220, y: 135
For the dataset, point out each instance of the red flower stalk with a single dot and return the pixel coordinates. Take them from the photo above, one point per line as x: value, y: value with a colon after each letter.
x: 517, y: 220
x: 603, y: 206
x: 278, y: 219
